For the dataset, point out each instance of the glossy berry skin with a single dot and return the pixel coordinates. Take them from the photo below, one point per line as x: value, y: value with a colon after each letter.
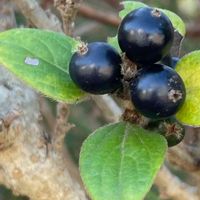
x: 157, y: 91
x: 174, y: 62
x: 170, y: 61
x: 145, y: 35
x: 98, y: 71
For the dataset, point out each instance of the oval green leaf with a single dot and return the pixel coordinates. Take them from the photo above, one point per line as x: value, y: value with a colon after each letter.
x: 120, y: 161
x: 177, y: 22
x: 41, y: 59
x: 189, y: 69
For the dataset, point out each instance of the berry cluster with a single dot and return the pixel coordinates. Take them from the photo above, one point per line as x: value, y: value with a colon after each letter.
x: 145, y: 37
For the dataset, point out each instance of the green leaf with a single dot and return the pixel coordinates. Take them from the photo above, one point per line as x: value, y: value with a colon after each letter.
x: 120, y: 161
x: 41, y: 59
x: 189, y: 69
x: 130, y: 6
x: 114, y: 43
x: 177, y: 22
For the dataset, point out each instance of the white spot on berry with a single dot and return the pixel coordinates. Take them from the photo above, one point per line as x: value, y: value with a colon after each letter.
x: 156, y: 38
x: 156, y: 13
x: 32, y: 61
x: 175, y: 95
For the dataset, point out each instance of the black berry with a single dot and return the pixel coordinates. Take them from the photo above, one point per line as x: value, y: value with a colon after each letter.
x: 157, y: 91
x: 170, y: 61
x: 98, y: 70
x: 174, y: 62
x: 172, y: 130
x: 145, y: 35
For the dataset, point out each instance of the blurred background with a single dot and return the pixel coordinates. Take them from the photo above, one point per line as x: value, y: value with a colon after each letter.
x: 97, y: 19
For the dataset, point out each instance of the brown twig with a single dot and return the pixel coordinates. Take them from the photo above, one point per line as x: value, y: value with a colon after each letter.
x: 193, y: 30
x: 186, y: 154
x: 114, y: 3
x: 99, y: 16
x: 61, y: 127
x: 181, y: 157
x: 109, y: 107
x: 171, y: 187
x: 85, y: 28
x: 36, y: 15
x: 7, y: 17
x: 68, y: 10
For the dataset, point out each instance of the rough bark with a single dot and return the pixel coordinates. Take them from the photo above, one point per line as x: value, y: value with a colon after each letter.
x: 29, y: 164
x: 34, y: 13
x: 171, y: 187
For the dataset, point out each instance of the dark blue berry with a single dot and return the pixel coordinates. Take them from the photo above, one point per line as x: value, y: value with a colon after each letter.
x: 172, y: 130
x: 174, y: 61
x: 157, y: 91
x: 145, y: 35
x: 98, y: 70
x: 170, y: 61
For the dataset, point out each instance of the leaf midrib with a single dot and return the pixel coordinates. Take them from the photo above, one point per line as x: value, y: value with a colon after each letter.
x: 122, y: 147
